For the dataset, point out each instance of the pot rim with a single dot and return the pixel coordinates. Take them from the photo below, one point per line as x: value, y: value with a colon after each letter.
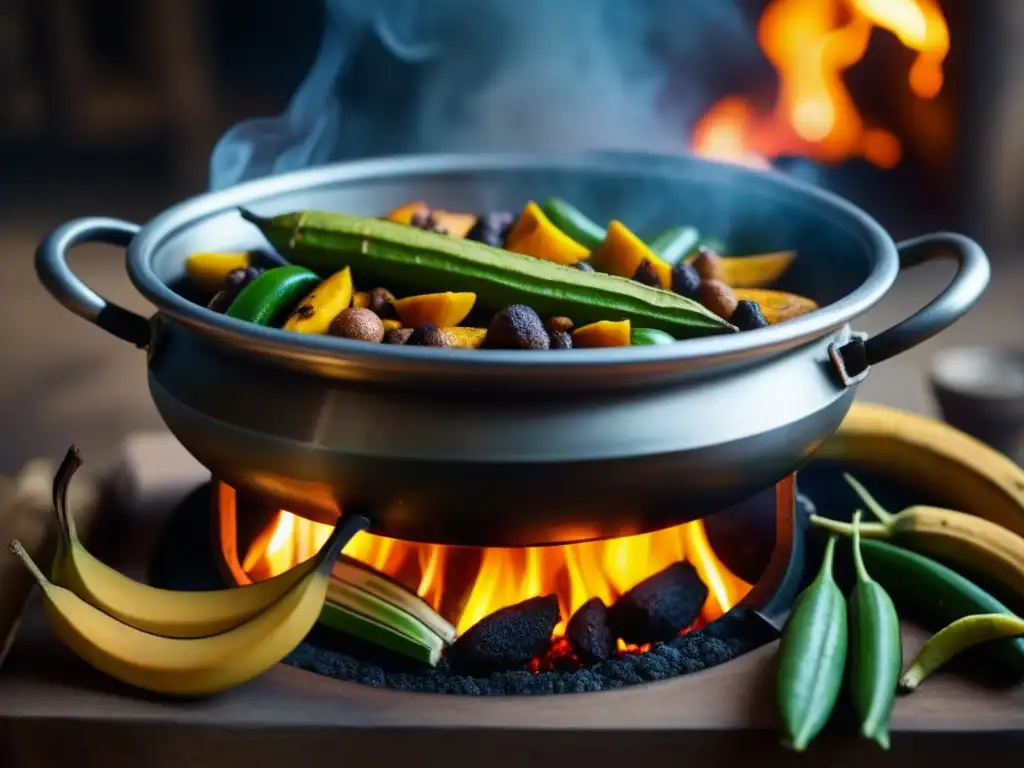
x: 318, y: 353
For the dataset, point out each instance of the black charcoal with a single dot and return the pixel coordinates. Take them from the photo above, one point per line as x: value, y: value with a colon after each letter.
x: 589, y: 634
x: 506, y: 639
x: 656, y: 609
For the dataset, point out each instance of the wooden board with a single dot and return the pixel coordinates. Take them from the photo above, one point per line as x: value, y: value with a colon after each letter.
x: 53, y: 708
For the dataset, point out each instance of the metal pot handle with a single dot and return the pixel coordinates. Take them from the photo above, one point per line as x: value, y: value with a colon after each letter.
x: 853, y: 359
x: 55, y: 274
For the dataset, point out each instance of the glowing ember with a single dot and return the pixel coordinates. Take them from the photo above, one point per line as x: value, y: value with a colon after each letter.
x: 811, y: 44
x: 465, y: 584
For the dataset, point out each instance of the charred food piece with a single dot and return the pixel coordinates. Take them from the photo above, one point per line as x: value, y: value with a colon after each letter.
x: 718, y: 297
x: 491, y: 228
x: 425, y: 219
x: 685, y: 280
x: 428, y: 335
x: 381, y: 304
x: 708, y: 263
x: 657, y: 608
x: 583, y: 266
x: 747, y: 316
x: 646, y: 275
x: 234, y: 282
x: 589, y: 632
x: 507, y: 639
x: 356, y: 323
x: 516, y: 327
x: 560, y: 340
x: 397, y: 336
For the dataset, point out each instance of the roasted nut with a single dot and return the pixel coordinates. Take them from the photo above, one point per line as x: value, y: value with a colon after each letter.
x: 491, y: 228
x: 559, y: 323
x: 708, y: 264
x: 356, y: 323
x: 234, y: 282
x: 646, y: 275
x: 516, y: 327
x: 428, y: 335
x: 560, y: 340
x: 747, y: 316
x: 685, y: 280
x: 583, y: 266
x: 397, y: 336
x: 718, y: 297
x: 381, y: 303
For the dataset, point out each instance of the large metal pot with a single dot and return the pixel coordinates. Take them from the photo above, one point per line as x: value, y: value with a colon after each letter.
x: 506, y: 447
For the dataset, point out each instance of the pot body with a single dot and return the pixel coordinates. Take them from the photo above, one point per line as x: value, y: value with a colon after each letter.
x: 501, y: 447
x: 495, y: 468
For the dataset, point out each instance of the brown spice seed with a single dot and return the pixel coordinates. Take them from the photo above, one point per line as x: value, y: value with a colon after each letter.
x: 397, y: 336
x: 718, y: 297
x: 708, y: 264
x: 559, y: 323
x: 359, y: 324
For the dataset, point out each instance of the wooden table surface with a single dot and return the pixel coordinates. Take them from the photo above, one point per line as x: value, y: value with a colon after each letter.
x: 53, y: 707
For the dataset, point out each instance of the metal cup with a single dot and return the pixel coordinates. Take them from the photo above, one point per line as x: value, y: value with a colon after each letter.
x: 980, y: 390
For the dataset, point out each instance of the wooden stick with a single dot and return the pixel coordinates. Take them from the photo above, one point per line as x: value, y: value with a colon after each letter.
x: 26, y: 513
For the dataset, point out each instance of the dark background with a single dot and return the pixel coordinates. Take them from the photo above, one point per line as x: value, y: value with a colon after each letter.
x: 112, y: 107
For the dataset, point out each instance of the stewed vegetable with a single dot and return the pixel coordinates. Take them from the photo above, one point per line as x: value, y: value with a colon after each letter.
x: 549, y: 278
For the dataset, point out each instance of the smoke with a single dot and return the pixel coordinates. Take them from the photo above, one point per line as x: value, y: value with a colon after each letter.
x: 401, y: 76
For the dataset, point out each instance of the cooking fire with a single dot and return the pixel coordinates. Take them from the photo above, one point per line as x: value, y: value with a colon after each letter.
x: 599, y: 598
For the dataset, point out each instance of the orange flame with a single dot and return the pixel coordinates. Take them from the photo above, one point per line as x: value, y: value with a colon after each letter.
x: 487, y: 579
x: 811, y: 44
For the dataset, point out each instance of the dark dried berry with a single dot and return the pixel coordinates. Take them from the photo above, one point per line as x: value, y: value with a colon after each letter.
x: 491, y: 228
x: 425, y: 219
x: 381, y: 304
x: 234, y: 282
x: 583, y: 266
x: 747, y: 316
x: 559, y: 323
x: 589, y: 634
x: 685, y: 280
x: 560, y: 340
x: 646, y: 274
x: 428, y: 335
x: 516, y: 327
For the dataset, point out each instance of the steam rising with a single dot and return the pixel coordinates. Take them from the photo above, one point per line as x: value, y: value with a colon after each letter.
x: 400, y: 76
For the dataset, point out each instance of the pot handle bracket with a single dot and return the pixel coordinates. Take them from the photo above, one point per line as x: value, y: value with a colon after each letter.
x: 65, y: 286
x: 853, y: 360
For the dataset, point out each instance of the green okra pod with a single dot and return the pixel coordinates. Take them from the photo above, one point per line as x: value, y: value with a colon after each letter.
x: 812, y: 657
x: 876, y: 654
x: 269, y: 298
x: 574, y: 223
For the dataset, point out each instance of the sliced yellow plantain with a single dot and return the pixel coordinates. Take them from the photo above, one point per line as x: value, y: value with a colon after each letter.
x: 207, y: 270
x: 755, y: 271
x: 466, y: 338
x: 442, y: 309
x: 777, y: 306
x: 455, y: 224
x: 361, y: 299
x: 325, y: 302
